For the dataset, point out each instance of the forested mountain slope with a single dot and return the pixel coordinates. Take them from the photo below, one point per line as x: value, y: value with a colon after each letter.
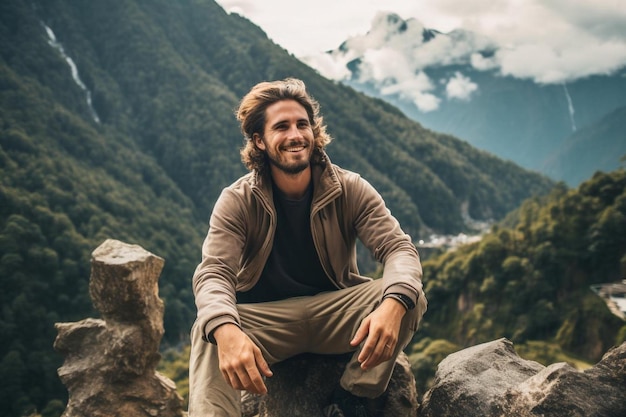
x: 600, y: 144
x: 117, y: 122
x: 529, y: 279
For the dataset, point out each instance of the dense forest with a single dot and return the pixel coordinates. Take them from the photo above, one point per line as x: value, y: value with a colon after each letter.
x: 529, y: 279
x: 117, y: 122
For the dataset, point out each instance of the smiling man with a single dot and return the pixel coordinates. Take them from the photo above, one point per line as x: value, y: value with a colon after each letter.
x: 278, y: 275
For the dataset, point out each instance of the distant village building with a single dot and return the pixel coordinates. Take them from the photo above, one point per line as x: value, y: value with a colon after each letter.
x: 614, y: 295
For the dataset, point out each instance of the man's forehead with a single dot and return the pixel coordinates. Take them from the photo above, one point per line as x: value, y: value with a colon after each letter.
x: 286, y: 109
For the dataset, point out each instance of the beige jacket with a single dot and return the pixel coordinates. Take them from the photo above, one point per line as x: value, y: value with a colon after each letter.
x: 345, y: 207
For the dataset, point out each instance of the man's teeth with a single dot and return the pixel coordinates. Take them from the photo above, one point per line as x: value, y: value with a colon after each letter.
x: 295, y: 149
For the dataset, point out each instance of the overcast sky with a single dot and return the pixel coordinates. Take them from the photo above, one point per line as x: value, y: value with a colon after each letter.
x: 547, y: 40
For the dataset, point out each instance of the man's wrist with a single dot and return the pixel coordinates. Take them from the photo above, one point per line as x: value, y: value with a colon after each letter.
x: 405, y: 300
x: 222, y: 329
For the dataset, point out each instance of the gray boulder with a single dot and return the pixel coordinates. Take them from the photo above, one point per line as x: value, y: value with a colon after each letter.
x: 561, y: 390
x: 492, y: 380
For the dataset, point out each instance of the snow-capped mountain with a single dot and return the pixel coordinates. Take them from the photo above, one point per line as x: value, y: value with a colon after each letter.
x: 468, y: 85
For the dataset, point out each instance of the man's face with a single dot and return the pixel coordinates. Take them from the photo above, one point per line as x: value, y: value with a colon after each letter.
x: 288, y: 137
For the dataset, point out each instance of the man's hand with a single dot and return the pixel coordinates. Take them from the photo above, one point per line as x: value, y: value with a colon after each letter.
x: 380, y: 331
x: 241, y: 361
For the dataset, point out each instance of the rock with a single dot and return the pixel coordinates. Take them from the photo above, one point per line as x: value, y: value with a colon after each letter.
x: 303, y: 386
x: 492, y: 380
x: 469, y: 381
x: 110, y: 363
x: 560, y: 390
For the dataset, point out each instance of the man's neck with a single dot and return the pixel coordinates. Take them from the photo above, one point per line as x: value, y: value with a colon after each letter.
x: 294, y: 186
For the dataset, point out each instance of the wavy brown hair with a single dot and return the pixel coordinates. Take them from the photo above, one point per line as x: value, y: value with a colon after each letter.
x: 251, y: 115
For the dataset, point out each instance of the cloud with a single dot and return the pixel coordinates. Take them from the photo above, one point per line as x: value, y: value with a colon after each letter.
x: 483, y: 63
x: 546, y: 65
x: 393, y: 54
x: 426, y: 102
x: 548, y: 41
x: 328, y: 66
x: 460, y: 87
x: 416, y: 88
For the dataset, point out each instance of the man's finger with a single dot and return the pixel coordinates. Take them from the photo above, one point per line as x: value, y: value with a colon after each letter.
x: 262, y: 364
x: 235, y: 382
x: 361, y: 333
x: 371, y: 357
x: 368, y: 349
x: 254, y: 381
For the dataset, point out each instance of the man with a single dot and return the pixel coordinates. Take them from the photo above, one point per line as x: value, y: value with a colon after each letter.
x: 278, y: 275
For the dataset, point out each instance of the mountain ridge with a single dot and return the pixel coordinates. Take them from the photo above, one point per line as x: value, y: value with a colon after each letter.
x: 451, y: 83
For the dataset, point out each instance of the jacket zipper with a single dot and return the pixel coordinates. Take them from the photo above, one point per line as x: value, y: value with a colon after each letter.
x: 270, y: 237
x: 318, y: 209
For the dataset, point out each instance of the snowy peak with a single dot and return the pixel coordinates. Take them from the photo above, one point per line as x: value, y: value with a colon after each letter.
x: 393, y: 55
x: 390, y: 27
x: 388, y: 30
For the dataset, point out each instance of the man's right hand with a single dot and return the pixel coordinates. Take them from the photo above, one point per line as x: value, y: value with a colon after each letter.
x: 241, y: 361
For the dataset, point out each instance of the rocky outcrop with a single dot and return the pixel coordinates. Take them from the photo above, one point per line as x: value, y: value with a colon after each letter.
x: 110, y: 363
x: 492, y: 380
x: 303, y: 386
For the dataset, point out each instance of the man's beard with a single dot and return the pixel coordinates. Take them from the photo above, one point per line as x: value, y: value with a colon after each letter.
x: 294, y: 168
x: 282, y: 164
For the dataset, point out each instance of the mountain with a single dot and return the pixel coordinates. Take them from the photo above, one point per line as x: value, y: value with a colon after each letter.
x: 117, y: 122
x: 600, y: 144
x: 450, y: 82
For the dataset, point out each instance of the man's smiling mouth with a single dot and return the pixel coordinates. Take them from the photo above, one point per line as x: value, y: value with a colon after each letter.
x: 294, y: 148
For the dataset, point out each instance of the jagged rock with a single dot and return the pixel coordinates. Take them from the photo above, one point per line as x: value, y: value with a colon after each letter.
x: 469, y: 381
x: 560, y: 390
x: 303, y: 386
x: 110, y: 364
x: 492, y: 380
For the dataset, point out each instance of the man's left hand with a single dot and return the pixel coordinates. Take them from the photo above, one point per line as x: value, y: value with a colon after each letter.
x: 380, y: 331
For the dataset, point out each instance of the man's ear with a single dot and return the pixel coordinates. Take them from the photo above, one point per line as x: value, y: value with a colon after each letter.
x: 258, y: 141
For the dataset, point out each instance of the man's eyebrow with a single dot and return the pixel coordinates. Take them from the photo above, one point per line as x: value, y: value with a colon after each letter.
x: 282, y: 121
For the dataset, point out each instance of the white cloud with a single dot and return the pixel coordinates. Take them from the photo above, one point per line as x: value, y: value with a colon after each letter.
x: 549, y: 41
x: 426, y: 102
x: 482, y: 63
x: 545, y: 64
x: 328, y: 66
x: 460, y: 87
x: 416, y: 89
x: 385, y: 65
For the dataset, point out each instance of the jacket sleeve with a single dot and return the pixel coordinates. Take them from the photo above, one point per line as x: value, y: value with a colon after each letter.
x: 381, y: 233
x: 215, y: 278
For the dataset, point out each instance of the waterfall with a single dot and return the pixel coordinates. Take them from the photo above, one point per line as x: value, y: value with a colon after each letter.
x: 52, y: 41
x: 570, y: 106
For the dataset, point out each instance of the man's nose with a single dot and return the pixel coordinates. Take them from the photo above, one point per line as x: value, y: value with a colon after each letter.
x: 294, y: 132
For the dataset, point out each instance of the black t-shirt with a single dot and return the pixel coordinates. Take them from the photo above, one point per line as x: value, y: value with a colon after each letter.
x: 293, y: 267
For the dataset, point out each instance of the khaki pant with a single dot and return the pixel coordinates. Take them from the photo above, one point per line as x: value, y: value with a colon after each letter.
x: 322, y: 324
